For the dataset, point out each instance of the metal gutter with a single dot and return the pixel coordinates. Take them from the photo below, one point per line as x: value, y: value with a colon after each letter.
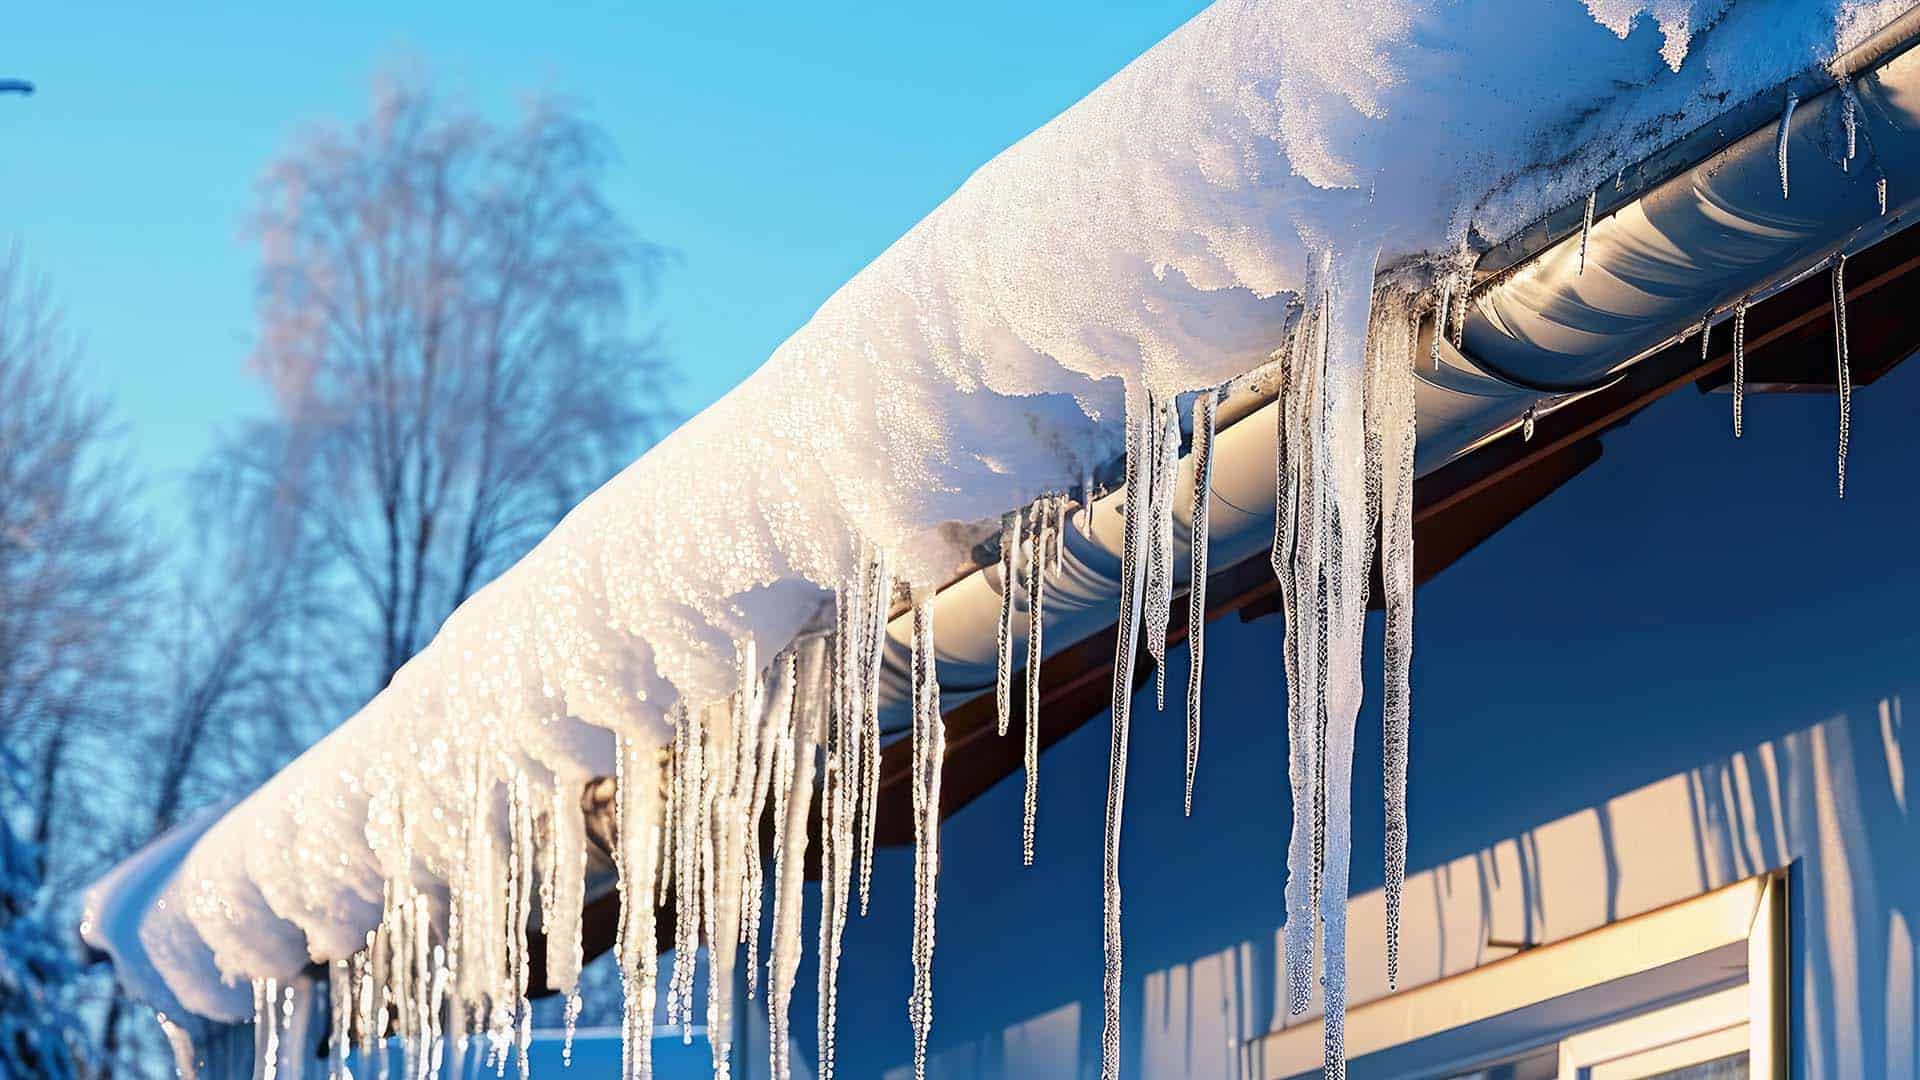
x: 1705, y: 228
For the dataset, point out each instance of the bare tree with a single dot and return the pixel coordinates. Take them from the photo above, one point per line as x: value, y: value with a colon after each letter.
x: 72, y: 572
x: 444, y: 309
x: 73, y: 591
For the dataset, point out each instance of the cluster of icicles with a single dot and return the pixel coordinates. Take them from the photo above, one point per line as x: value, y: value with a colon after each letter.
x: 1836, y: 266
x: 450, y: 973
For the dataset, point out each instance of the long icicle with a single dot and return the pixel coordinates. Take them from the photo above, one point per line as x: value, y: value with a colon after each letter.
x: 1010, y: 532
x: 1294, y: 496
x: 929, y: 753
x: 637, y: 804
x: 879, y: 601
x: 1843, y: 367
x: 806, y: 673
x: 1140, y: 419
x: 1205, y: 406
x: 1037, y: 563
x: 1396, y: 429
x: 1739, y: 365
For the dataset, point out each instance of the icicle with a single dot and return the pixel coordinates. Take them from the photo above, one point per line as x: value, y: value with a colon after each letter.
x: 564, y: 899
x: 266, y: 1028
x: 792, y: 807
x: 1526, y: 423
x: 1204, y: 406
x: 637, y: 858
x: 340, y: 1015
x: 1780, y: 140
x: 1586, y: 230
x: 1396, y: 430
x: 184, y: 1065
x: 1036, y: 624
x: 1849, y: 119
x: 1010, y: 530
x: 880, y: 599
x: 1441, y: 312
x: 688, y: 821
x: 1739, y: 365
x: 774, y: 726
x: 1620, y: 178
x: 1461, y: 294
x: 1141, y: 416
x: 842, y: 792
x: 1164, y: 470
x: 1880, y: 191
x: 1844, y: 373
x: 1087, y: 495
x: 735, y: 751
x: 929, y: 754
x: 1293, y: 548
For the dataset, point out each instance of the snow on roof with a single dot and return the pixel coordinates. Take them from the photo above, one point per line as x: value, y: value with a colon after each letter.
x: 1154, y: 239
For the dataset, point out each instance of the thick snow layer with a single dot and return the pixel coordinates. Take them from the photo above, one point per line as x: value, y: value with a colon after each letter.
x: 1152, y: 239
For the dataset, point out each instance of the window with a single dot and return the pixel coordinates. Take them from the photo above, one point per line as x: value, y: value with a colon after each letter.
x: 1693, y: 991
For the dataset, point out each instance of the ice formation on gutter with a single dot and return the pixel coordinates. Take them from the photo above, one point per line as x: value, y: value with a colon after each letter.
x: 1275, y: 185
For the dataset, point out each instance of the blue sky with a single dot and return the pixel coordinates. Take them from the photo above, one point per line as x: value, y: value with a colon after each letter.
x: 777, y: 148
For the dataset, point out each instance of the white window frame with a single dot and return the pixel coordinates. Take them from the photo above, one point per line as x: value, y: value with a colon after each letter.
x: 1752, y: 911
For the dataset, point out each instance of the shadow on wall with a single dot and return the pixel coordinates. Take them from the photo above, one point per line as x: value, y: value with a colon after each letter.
x: 1830, y: 799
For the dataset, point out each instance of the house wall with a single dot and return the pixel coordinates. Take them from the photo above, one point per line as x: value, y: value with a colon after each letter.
x: 1688, y: 666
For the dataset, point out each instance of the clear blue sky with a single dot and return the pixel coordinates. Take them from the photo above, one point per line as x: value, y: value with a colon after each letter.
x: 777, y: 147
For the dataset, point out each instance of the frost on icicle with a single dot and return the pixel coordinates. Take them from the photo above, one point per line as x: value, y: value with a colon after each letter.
x: 1205, y: 404
x: 1586, y: 230
x: 638, y: 798
x: 1010, y: 530
x: 1739, y: 365
x: 1843, y: 368
x: 1780, y: 139
x: 1393, y: 425
x: 1163, y: 469
x: 793, y: 800
x: 1140, y: 419
x: 1038, y: 562
x: 929, y: 753
x: 1880, y: 192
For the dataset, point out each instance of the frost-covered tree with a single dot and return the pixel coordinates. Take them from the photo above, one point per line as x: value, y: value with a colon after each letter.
x: 39, y: 1034
x: 445, y: 323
